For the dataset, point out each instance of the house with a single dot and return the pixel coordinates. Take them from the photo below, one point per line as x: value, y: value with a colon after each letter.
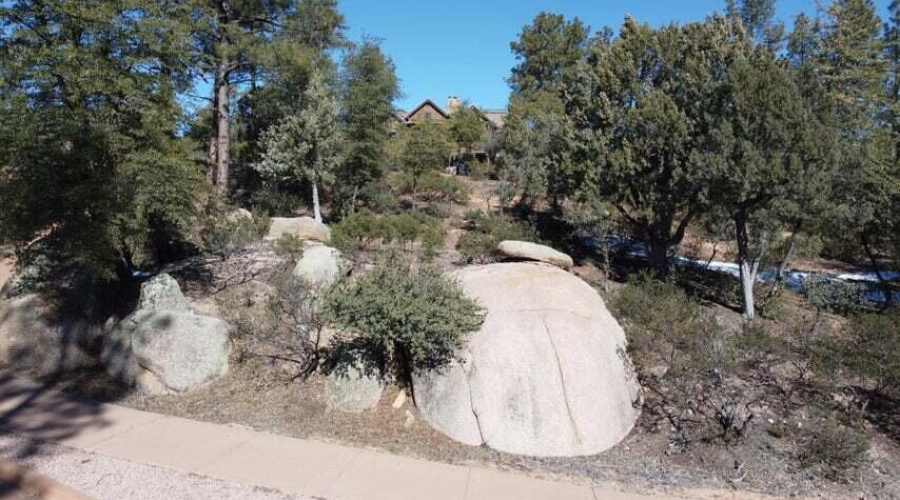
x: 495, y: 119
x: 428, y: 110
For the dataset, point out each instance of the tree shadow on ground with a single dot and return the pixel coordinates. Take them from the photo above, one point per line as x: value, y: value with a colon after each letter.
x: 884, y: 413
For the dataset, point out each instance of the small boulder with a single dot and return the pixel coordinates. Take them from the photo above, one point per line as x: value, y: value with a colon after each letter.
x: 352, y: 390
x: 319, y: 266
x: 162, y: 293
x: 305, y: 228
x: 165, y: 339
x: 524, y: 250
x: 183, y: 350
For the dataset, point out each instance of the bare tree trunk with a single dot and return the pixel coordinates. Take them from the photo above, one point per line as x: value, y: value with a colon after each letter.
x: 748, y: 264
x: 223, y: 122
x: 317, y: 210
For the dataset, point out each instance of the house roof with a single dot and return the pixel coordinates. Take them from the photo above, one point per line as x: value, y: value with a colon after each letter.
x: 496, y: 116
x: 428, y: 102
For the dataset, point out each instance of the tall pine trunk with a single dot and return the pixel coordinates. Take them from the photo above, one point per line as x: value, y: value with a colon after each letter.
x: 222, y: 131
x: 317, y: 210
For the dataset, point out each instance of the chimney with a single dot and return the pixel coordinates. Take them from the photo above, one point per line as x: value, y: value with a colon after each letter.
x: 453, y: 104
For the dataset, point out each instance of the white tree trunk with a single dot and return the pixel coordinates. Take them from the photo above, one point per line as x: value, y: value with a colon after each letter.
x: 317, y: 210
x: 748, y: 279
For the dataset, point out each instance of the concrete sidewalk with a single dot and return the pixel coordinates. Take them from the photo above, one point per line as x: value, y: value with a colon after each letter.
x: 242, y: 455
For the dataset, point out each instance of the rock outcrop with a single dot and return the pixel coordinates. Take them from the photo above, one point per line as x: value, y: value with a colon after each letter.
x: 305, y: 228
x: 524, y: 250
x: 547, y: 374
x: 164, y: 344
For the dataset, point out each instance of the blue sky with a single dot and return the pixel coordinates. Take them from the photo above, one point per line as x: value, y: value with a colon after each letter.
x: 461, y: 47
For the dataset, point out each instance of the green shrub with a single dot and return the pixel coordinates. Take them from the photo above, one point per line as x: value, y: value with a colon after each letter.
x: 403, y: 318
x: 834, y: 449
x: 364, y: 230
x: 225, y: 232
x: 873, y: 348
x: 289, y: 246
x: 435, y: 186
x: 486, y: 231
x: 834, y: 296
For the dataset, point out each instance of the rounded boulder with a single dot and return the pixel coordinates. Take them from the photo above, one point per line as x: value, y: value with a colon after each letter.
x: 546, y: 375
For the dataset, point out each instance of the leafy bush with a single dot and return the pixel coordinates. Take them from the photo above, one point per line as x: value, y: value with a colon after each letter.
x: 833, y: 296
x: 486, y: 231
x: 226, y: 232
x: 873, y: 348
x: 365, y: 229
x: 289, y: 246
x: 834, y: 449
x: 403, y: 318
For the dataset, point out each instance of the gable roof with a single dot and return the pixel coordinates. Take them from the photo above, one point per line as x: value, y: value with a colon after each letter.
x: 428, y: 102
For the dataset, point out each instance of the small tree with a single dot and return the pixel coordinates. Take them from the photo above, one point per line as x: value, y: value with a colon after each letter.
x: 304, y: 145
x: 427, y: 148
x: 768, y: 158
x: 467, y: 128
x: 403, y: 318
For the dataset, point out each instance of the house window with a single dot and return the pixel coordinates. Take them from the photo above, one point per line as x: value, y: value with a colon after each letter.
x: 429, y: 115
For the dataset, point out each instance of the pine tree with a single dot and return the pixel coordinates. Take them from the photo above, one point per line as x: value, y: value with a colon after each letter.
x: 855, y: 70
x: 427, y: 149
x: 304, y: 146
x: 369, y: 86
x: 547, y: 49
x: 236, y: 42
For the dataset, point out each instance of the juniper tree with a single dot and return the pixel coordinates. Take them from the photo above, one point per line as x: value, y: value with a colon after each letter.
x: 770, y: 159
x: 304, y: 146
x: 644, y: 118
x: 89, y: 148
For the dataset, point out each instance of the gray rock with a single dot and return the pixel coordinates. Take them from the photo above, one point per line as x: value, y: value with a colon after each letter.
x: 36, y: 340
x: 305, y: 228
x: 163, y: 345
x: 183, y: 350
x: 532, y: 251
x: 547, y: 374
x: 353, y: 391
x: 162, y: 293
x: 319, y: 266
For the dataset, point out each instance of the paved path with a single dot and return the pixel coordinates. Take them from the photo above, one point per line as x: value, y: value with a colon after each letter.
x: 242, y: 455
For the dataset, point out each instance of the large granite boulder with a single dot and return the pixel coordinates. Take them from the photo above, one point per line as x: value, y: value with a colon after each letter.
x: 523, y: 250
x: 320, y: 265
x: 163, y: 346
x: 547, y: 374
x: 305, y: 228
